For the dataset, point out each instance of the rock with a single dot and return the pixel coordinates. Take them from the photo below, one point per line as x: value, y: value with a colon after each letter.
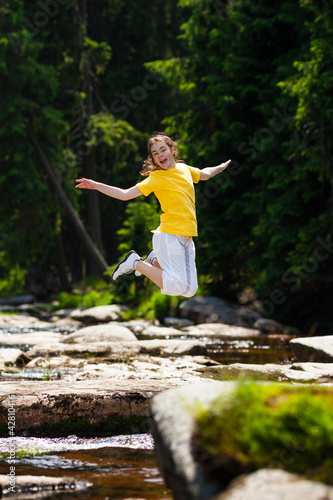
x: 202, y: 309
x: 30, y: 339
x: 274, y: 484
x: 99, y: 314
x: 60, y: 363
x: 21, y: 320
x: 121, y: 350
x: 172, y: 426
x: 297, y: 372
x: 161, y: 331
x: 172, y: 347
x: 64, y: 313
x: 136, y: 325
x: 41, y: 486
x: 12, y: 357
x: 266, y: 325
x: 100, y: 333
x: 314, y: 349
x: 220, y: 330
x: 86, y: 408
x: 18, y: 300
x: 177, y: 322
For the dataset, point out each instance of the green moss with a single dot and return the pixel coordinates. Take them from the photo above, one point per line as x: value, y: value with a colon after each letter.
x: 269, y: 426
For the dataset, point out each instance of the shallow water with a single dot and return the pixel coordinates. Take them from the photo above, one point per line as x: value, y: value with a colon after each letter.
x: 259, y: 349
x: 118, y: 467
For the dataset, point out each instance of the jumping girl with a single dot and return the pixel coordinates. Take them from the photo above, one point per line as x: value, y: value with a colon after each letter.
x: 171, y: 262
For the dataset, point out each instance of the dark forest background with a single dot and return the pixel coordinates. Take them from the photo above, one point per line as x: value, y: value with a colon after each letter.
x: 84, y: 83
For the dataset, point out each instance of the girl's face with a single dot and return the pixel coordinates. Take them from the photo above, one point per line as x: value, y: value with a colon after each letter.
x: 163, y: 155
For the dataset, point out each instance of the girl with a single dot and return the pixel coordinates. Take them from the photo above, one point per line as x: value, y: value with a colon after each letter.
x: 171, y: 262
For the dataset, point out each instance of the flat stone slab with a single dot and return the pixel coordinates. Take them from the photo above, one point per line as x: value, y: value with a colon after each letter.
x: 320, y: 373
x: 270, y: 484
x: 221, y: 330
x: 114, y: 350
x: 21, y: 320
x: 61, y: 395
x: 89, y: 407
x: 174, y: 371
x: 314, y: 349
x: 41, y: 486
x: 30, y: 339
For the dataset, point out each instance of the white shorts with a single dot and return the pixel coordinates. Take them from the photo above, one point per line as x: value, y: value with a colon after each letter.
x: 176, y: 256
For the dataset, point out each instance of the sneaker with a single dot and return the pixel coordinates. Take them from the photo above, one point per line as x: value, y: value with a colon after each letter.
x: 126, y: 266
x: 151, y: 256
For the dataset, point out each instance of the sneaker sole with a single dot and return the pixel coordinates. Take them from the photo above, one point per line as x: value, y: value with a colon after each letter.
x: 120, y: 263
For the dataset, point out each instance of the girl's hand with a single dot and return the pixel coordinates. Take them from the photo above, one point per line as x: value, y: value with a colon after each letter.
x: 85, y: 184
x: 223, y: 166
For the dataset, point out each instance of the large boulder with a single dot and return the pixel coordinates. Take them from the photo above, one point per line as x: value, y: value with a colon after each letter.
x: 172, y: 425
x: 172, y: 415
x: 314, y: 349
x: 110, y: 332
x: 202, y: 309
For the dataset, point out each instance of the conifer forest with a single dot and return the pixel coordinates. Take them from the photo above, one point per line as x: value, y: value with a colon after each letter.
x: 83, y: 86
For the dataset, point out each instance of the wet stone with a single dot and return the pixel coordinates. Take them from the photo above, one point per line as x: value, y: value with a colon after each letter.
x: 40, y: 486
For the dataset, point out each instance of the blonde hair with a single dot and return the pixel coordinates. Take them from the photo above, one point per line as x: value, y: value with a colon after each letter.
x: 149, y: 165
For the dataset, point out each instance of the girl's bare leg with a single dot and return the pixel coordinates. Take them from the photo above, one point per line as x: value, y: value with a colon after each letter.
x: 154, y: 273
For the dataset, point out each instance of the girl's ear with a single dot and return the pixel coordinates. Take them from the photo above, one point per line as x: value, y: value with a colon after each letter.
x: 173, y: 151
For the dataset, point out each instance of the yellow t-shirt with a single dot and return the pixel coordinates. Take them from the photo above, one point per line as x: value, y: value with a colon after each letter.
x: 175, y: 191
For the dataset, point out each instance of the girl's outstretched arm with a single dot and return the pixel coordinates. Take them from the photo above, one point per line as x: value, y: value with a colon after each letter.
x: 114, y: 192
x: 209, y: 172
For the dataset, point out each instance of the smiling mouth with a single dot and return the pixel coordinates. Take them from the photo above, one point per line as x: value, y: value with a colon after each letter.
x: 163, y: 162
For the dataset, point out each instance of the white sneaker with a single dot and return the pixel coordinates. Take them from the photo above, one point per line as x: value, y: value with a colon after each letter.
x: 151, y: 256
x: 126, y: 266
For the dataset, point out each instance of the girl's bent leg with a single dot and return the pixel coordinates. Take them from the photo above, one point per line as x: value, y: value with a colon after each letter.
x: 154, y: 273
x: 176, y: 256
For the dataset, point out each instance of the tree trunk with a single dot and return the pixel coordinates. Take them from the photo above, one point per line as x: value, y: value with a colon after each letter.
x: 89, y: 245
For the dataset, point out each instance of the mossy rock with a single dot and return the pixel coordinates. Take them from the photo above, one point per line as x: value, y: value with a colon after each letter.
x: 275, y: 426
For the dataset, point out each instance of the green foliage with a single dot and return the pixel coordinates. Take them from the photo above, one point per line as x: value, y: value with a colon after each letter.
x: 12, y: 280
x: 141, y: 218
x: 270, y: 426
x: 251, y: 81
x: 84, y: 300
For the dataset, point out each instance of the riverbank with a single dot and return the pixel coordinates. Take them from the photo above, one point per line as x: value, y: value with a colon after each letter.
x: 89, y: 373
